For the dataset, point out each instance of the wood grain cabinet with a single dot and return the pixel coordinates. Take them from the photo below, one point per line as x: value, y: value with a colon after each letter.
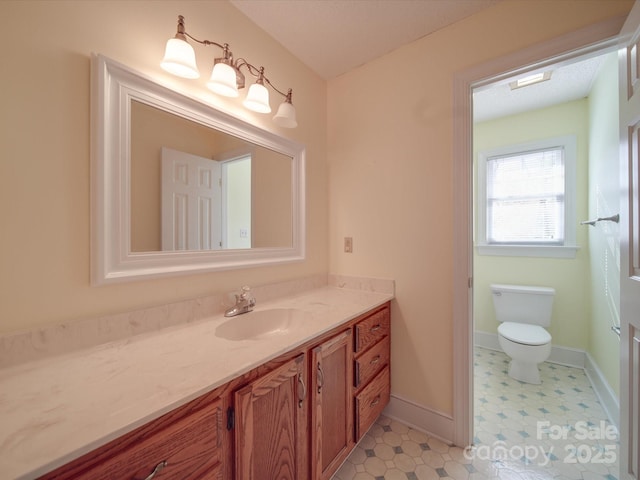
x: 371, y: 368
x: 331, y: 405
x: 296, y: 417
x: 271, y: 415
x: 183, y: 444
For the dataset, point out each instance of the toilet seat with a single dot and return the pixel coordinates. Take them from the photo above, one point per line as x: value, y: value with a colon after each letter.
x: 524, y: 333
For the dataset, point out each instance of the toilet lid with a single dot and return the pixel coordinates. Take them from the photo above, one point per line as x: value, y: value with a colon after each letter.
x: 524, y: 333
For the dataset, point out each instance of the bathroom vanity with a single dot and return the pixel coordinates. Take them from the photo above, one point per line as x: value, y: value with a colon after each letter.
x: 286, y: 404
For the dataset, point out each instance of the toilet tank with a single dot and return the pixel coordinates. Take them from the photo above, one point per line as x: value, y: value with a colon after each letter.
x: 523, y: 304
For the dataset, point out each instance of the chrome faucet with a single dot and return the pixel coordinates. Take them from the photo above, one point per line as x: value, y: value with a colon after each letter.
x: 244, y: 303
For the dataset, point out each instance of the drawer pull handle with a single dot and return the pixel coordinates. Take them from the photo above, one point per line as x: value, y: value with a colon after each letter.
x: 376, y: 328
x: 157, y: 470
x: 374, y: 360
x: 320, y: 378
x: 302, y: 391
x: 375, y: 402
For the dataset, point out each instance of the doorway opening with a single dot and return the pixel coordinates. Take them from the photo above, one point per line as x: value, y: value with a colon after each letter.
x: 236, y: 202
x: 538, y: 425
x: 601, y: 38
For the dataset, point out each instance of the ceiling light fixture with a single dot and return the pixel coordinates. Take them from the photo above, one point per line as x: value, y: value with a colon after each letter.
x: 226, y: 77
x: 530, y: 80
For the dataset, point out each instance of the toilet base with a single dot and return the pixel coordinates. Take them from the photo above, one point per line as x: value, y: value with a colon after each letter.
x: 524, y: 372
x: 525, y: 359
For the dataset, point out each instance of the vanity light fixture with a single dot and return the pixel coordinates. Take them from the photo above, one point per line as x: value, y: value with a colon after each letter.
x: 226, y: 77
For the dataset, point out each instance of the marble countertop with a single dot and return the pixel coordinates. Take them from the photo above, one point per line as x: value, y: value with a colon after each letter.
x: 56, y: 409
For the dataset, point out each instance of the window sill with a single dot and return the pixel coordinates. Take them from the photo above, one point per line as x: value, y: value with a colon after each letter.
x: 528, y: 251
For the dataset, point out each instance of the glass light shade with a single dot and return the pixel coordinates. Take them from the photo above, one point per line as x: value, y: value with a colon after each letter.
x: 180, y: 59
x: 257, y: 99
x: 223, y: 80
x: 286, y: 115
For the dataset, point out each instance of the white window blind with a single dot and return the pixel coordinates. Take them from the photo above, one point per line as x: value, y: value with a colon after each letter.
x: 526, y: 198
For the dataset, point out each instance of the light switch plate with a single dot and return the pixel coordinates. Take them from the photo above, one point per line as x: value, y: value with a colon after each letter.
x: 348, y: 245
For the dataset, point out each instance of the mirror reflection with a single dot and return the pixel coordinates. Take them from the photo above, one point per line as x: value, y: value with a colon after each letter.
x: 196, y: 188
x: 249, y: 213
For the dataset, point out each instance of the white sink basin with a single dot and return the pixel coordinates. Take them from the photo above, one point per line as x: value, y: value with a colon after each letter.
x: 261, y: 324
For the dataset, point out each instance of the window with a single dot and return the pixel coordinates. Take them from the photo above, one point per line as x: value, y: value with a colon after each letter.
x: 526, y: 199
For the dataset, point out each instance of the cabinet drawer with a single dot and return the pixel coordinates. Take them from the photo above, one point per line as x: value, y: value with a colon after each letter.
x: 371, y: 401
x: 371, y: 329
x: 190, y: 447
x: 371, y: 362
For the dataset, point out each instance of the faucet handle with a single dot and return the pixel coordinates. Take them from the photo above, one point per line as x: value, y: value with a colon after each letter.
x: 248, y: 297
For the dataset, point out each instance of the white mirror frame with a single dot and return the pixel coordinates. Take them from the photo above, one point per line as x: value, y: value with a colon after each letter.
x: 114, y: 86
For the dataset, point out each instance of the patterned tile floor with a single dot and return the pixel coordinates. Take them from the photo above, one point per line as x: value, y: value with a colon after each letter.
x: 556, y: 430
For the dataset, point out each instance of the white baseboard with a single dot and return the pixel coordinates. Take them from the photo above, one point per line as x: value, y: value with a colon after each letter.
x: 486, y: 340
x: 419, y: 417
x: 570, y: 357
x: 441, y: 425
x: 605, y: 393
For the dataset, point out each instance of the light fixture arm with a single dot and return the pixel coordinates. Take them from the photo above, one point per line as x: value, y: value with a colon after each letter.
x: 182, y: 34
x: 180, y: 60
x: 259, y: 74
x: 287, y: 95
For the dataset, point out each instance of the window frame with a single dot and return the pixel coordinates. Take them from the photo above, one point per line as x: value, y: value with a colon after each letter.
x: 569, y: 248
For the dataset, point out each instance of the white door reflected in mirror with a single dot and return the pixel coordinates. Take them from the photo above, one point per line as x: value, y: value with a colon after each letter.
x: 206, y: 203
x: 191, y: 202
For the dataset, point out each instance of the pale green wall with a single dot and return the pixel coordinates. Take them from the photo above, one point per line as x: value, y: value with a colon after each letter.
x: 604, y: 199
x: 570, y: 277
x: 239, y: 203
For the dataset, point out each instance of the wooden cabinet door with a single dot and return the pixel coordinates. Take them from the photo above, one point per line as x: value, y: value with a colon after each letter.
x: 332, y: 436
x: 271, y: 438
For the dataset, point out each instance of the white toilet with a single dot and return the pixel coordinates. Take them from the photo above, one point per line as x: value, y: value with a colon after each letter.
x: 523, y: 312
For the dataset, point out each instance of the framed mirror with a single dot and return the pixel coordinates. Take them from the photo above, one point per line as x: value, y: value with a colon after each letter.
x: 179, y: 187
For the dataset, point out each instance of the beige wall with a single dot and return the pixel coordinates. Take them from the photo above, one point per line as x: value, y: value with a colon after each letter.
x: 390, y: 125
x: 569, y: 276
x: 45, y: 132
x: 272, y: 217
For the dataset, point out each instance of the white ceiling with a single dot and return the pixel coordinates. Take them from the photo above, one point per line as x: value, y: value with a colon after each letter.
x: 333, y: 37
x: 568, y: 82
